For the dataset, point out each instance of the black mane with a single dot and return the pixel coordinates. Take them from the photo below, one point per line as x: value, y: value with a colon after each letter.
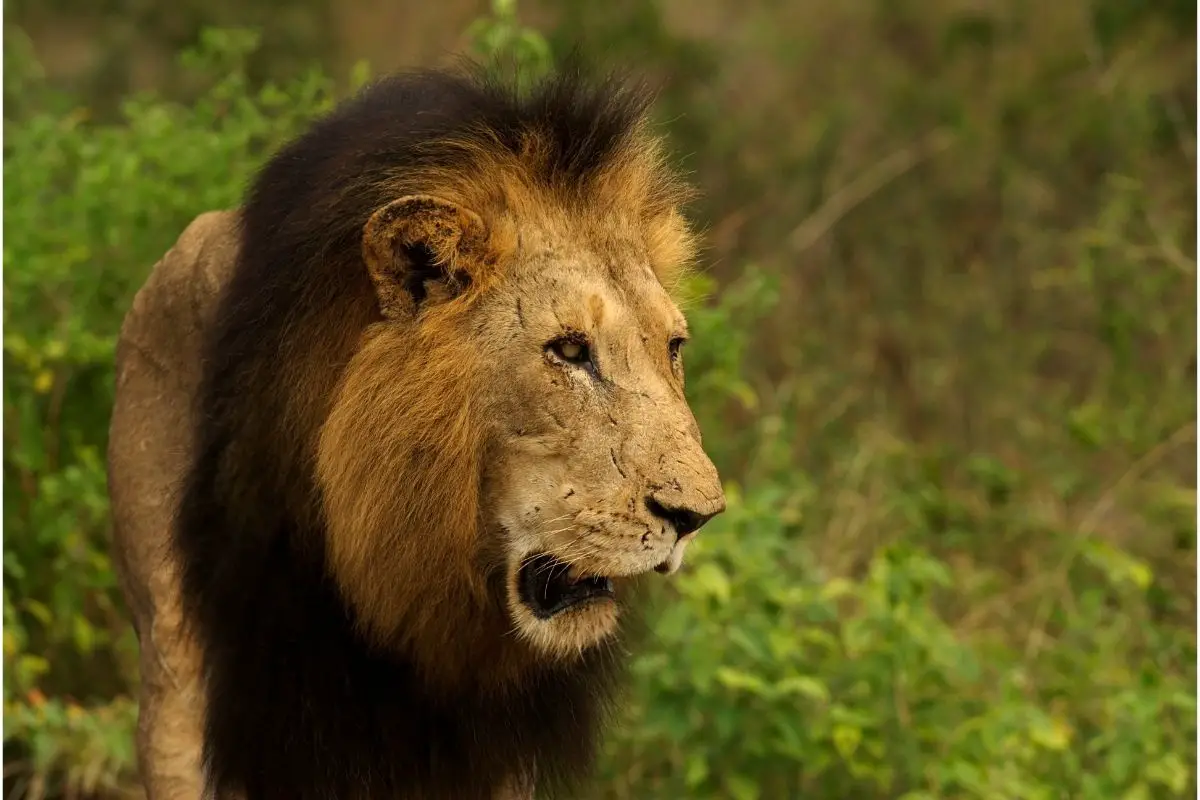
x: 298, y: 705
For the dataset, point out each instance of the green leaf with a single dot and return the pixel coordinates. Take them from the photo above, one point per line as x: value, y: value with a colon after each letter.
x: 1170, y: 771
x: 38, y: 610
x: 712, y: 581
x: 85, y: 635
x: 846, y: 739
x: 697, y: 770
x: 360, y: 74
x: 742, y: 681
x: 740, y: 787
x: 804, y: 686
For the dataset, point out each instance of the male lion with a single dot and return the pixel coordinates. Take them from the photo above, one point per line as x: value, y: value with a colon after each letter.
x: 392, y: 442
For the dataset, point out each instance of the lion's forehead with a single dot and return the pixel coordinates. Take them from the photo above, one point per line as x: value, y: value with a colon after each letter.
x: 610, y: 289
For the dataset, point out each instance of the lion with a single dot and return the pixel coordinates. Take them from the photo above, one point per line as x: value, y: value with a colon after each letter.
x: 395, y: 441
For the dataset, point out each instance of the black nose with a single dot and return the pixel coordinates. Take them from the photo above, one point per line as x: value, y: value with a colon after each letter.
x: 683, y: 520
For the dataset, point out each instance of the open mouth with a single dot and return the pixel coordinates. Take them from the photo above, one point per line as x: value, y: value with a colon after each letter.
x: 547, y: 588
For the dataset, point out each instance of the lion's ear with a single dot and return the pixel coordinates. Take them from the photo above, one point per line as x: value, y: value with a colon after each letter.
x: 421, y: 248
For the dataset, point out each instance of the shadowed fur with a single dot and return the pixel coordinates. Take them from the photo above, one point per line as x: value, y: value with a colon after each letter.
x: 367, y: 484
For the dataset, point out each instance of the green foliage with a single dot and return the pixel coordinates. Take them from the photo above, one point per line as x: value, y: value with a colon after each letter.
x: 769, y: 678
x: 500, y: 40
x: 955, y: 412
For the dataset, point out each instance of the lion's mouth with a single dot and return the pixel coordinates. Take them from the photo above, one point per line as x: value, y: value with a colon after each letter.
x: 547, y: 588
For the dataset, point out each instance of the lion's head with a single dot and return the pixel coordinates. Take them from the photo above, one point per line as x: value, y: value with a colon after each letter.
x: 509, y: 442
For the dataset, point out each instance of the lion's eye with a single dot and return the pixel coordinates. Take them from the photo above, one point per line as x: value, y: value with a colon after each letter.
x: 571, y: 350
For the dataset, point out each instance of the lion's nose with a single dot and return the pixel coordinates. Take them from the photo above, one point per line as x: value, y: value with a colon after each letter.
x: 683, y: 520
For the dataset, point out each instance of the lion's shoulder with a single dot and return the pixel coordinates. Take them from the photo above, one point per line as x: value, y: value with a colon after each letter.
x: 179, y: 295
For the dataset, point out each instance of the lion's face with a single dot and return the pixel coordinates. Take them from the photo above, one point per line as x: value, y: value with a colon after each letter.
x: 510, y: 444
x: 595, y: 471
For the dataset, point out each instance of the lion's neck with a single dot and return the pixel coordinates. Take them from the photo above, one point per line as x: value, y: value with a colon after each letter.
x: 299, y: 706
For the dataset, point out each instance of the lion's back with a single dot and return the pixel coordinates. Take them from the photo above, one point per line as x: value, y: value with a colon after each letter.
x: 157, y: 372
x: 150, y: 439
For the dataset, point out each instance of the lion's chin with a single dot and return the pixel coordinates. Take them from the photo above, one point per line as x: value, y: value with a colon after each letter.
x: 558, y: 613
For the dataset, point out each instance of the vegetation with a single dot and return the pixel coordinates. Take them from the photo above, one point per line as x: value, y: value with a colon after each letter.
x: 945, y: 357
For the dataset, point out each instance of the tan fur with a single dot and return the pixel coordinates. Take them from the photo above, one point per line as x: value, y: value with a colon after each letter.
x: 157, y: 371
x: 636, y: 198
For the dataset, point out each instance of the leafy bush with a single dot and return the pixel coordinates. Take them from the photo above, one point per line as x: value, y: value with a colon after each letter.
x: 769, y: 678
x: 960, y: 544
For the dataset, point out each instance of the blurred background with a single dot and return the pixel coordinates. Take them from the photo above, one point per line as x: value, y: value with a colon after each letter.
x: 945, y: 357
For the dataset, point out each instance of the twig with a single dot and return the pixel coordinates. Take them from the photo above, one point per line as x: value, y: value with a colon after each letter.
x: 867, y: 183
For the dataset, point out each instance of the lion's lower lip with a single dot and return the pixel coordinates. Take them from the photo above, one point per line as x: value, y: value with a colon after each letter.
x: 547, y: 589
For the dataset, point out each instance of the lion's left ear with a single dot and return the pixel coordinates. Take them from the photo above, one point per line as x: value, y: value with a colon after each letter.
x: 422, y: 249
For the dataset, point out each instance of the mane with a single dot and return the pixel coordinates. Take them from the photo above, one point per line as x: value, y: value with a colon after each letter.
x: 334, y: 667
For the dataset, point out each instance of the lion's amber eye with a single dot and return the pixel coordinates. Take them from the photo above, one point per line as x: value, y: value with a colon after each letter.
x: 571, y: 350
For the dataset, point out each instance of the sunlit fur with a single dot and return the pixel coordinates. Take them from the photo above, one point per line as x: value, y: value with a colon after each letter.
x: 379, y: 451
